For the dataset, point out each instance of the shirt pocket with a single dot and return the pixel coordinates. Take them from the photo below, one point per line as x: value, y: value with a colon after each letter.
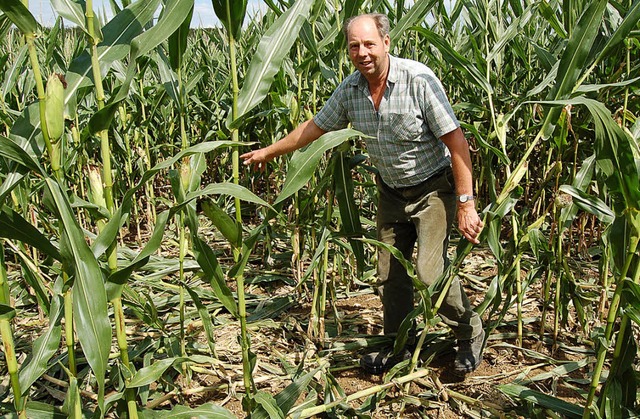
x: 404, y: 127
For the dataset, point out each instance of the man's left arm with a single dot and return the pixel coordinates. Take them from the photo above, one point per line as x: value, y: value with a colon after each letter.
x: 469, y: 223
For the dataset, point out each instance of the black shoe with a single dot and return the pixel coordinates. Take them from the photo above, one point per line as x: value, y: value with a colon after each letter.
x: 469, y: 355
x: 383, y: 360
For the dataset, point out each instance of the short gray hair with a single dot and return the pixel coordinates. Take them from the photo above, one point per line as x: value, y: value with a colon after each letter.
x: 381, y: 21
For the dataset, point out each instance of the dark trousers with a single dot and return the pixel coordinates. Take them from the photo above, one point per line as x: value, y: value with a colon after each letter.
x: 424, y: 214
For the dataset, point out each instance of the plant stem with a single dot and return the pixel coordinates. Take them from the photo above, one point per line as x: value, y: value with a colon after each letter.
x: 312, y: 411
x: 7, y: 341
x: 611, y: 318
x: 68, y: 326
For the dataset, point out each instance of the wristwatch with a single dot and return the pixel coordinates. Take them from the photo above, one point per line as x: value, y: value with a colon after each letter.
x: 464, y: 198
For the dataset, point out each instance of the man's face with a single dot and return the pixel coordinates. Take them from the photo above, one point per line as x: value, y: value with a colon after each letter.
x: 367, y: 49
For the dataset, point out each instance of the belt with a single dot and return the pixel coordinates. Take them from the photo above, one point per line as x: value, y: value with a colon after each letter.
x: 433, y: 176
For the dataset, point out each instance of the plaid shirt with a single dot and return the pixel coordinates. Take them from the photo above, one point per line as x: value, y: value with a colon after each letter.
x: 413, y: 114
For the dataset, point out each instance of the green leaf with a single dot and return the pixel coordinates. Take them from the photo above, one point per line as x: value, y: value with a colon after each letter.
x: 229, y: 189
x: 13, y: 226
x: 271, y: 51
x: 629, y: 23
x: 72, y: 11
x: 38, y: 410
x: 287, y: 398
x: 205, y: 316
x: 46, y: 345
x: 549, y: 14
x: 119, y: 33
x: 455, y: 58
x: 633, y: 313
x: 171, y: 18
x: 17, y: 68
x: 268, y: 403
x: 118, y: 279
x: 19, y: 15
x: 148, y: 375
x: 247, y: 248
x: 231, y: 13
x: 581, y: 182
x: 7, y: 312
x: 634, y: 289
x: 574, y: 59
x: 111, y: 230
x: 213, y: 274
x: 304, y: 162
x: 89, y: 295
x: 589, y: 203
x: 205, y: 411
x: 178, y: 42
x: 549, y: 402
x: 15, y: 153
x: 414, y: 16
x: 349, y: 214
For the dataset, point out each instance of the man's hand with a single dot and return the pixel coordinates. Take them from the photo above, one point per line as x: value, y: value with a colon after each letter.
x: 303, y: 135
x: 258, y: 158
x: 469, y: 223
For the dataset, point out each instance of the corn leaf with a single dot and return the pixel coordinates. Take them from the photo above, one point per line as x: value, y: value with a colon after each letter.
x: 178, y: 42
x: 205, y: 411
x: 269, y: 404
x: 12, y: 74
x: 119, y: 32
x: 231, y: 13
x: 112, y: 228
x: 549, y: 402
x: 414, y: 16
x: 589, y: 203
x: 46, y: 345
x: 153, y: 372
x: 12, y: 151
x: 72, y: 11
x: 7, y: 312
x: 13, y: 226
x: 629, y: 23
x: 581, y: 182
x: 205, y: 316
x: 38, y: 410
x: 118, y: 279
x: 265, y: 64
x: 231, y: 189
x: 172, y: 17
x: 454, y: 58
x: 349, y: 214
x: 303, y: 163
x: 89, y: 295
x: 213, y: 274
x: 574, y: 59
x: 19, y: 15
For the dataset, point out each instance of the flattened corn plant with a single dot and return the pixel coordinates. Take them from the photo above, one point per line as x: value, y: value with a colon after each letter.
x: 116, y: 133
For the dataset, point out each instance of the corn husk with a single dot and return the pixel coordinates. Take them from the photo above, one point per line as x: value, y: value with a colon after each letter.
x: 54, y: 107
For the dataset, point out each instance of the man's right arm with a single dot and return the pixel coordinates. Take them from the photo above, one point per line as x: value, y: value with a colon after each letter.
x: 304, y: 134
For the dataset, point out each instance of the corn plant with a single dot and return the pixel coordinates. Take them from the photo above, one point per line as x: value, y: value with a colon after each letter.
x: 546, y: 92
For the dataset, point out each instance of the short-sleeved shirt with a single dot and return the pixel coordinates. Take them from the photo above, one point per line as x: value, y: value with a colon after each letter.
x: 413, y: 114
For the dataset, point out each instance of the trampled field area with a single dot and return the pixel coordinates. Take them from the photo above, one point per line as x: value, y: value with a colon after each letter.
x: 145, y: 272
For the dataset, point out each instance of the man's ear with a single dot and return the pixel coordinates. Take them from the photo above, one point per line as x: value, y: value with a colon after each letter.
x: 387, y: 43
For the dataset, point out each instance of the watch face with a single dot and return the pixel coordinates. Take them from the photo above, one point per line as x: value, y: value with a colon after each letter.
x: 464, y: 198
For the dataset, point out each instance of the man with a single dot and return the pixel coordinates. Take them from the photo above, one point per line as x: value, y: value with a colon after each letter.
x: 424, y: 174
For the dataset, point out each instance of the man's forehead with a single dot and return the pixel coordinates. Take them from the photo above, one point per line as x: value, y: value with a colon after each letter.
x: 364, y: 23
